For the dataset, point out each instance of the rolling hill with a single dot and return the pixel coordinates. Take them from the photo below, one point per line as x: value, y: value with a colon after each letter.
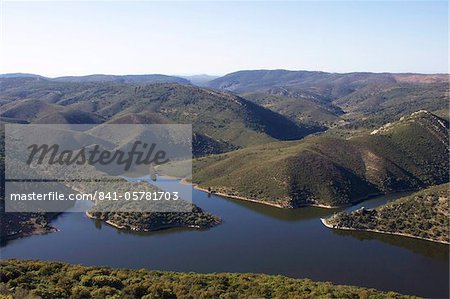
x: 411, y: 153
x: 215, y: 114
x: 36, y: 111
x: 219, y: 117
x: 139, y: 79
x: 270, y: 105
x: 301, y: 107
x: 310, y: 99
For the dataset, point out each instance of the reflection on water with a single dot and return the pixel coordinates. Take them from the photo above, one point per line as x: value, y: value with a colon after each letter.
x: 378, y: 201
x: 169, y: 231
x: 422, y: 247
x: 285, y: 214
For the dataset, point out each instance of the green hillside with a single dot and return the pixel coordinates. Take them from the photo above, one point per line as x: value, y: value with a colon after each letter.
x: 312, y: 100
x: 411, y: 153
x: 423, y: 214
x: 38, y: 279
x: 221, y: 117
x: 36, y: 111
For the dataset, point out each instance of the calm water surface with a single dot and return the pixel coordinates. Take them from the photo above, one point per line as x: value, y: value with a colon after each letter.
x: 252, y: 238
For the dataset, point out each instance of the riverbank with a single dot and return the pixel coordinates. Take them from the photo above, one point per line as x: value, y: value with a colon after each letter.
x: 160, y: 227
x: 33, y: 232
x: 330, y: 226
x: 421, y: 215
x: 243, y: 198
x: 249, y: 233
x: 21, y: 225
x: 196, y: 187
x: 287, y: 206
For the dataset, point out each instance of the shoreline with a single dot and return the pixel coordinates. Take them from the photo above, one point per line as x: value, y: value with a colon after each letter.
x: 324, y: 222
x: 161, y: 227
x: 196, y: 187
x: 243, y: 198
x: 34, y: 232
x: 237, y: 197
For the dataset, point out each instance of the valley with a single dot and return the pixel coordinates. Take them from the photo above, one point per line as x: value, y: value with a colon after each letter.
x: 273, y: 151
x: 224, y: 150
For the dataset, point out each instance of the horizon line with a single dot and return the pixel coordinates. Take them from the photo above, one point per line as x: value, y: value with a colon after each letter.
x: 212, y: 75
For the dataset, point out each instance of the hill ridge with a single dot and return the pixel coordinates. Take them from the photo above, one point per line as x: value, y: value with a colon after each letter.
x: 328, y: 171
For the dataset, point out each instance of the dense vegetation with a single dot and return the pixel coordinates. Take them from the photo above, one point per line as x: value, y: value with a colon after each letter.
x: 411, y: 153
x: 150, y: 221
x: 424, y: 214
x: 37, y: 279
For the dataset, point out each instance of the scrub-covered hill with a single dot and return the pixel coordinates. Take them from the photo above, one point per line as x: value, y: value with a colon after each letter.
x: 221, y: 117
x: 411, y: 153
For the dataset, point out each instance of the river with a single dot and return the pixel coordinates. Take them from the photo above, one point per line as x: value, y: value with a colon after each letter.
x: 252, y: 238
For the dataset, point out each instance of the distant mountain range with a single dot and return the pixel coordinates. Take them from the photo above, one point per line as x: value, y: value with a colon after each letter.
x: 322, y: 98
x: 199, y: 80
x: 279, y: 104
x: 329, y: 84
x: 136, y: 79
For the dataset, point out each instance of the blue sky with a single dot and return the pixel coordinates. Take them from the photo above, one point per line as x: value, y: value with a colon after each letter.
x: 124, y: 37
